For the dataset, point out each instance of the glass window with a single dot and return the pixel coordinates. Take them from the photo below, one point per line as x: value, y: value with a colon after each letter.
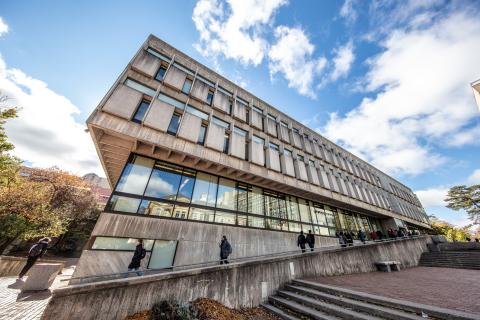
x: 124, y: 204
x: 257, y: 109
x: 156, y: 208
x: 158, y: 55
x: 241, y: 220
x: 174, y: 124
x: 294, y: 227
x: 127, y: 244
x: 255, y: 201
x: 187, y: 85
x: 140, y: 87
x: 242, y: 193
x: 271, y: 117
x: 180, y: 212
x: 196, y: 112
x: 283, y: 124
x: 292, y: 209
x: 135, y: 175
x: 258, y: 140
x: 171, y: 101
x: 226, y: 142
x: 256, y: 222
x: 239, y: 131
x: 205, y: 190
x: 201, y: 135
x: 306, y: 227
x: 186, y: 186
x: 225, y: 217
x: 210, y: 97
x: 274, y: 146
x: 161, y: 73
x: 201, y: 214
x: 141, y: 110
x: 287, y: 152
x: 271, y: 205
x: 164, y: 182
x: 163, y: 253
x: 300, y: 158
x: 275, y: 224
x: 295, y: 130
x: 304, y: 210
x: 227, y: 194
x: 221, y: 123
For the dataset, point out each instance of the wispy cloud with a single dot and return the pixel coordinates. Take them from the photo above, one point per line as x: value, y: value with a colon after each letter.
x: 3, y: 27
x: 348, y: 12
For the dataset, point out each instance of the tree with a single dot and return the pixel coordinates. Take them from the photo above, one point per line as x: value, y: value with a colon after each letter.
x: 9, y: 165
x: 452, y: 233
x: 467, y: 198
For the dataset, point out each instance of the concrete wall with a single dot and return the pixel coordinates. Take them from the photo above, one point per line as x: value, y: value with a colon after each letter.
x: 175, y: 77
x: 146, y: 63
x: 11, y: 266
x: 123, y: 102
x: 190, y: 127
x: 215, y: 137
x: 197, y: 242
x: 159, y: 115
x: 221, y: 101
x: 235, y: 285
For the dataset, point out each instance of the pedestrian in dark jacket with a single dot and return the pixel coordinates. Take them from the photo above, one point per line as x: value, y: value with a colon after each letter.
x: 310, y: 240
x: 379, y: 234
x: 342, y: 240
x: 301, y: 241
x: 225, y: 250
x: 361, y: 236
x: 348, y: 236
x: 138, y: 255
x: 35, y: 253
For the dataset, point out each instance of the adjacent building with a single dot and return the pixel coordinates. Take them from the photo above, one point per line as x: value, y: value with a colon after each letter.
x: 476, y: 92
x: 191, y: 156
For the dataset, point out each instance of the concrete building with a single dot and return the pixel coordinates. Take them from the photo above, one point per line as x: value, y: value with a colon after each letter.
x: 476, y: 92
x: 191, y: 156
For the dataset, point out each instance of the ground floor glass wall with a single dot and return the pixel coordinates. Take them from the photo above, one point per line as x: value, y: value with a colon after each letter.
x: 161, y: 189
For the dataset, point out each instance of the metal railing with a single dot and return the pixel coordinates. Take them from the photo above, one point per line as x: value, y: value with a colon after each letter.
x: 120, y: 275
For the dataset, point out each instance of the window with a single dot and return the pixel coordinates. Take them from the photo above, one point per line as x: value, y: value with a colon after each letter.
x: 257, y: 109
x: 255, y: 201
x: 210, y: 97
x: 174, y: 124
x: 295, y: 130
x: 123, y: 204
x: 141, y: 110
x: 187, y: 85
x: 163, y: 253
x: 201, y: 135
x: 180, y: 212
x: 300, y: 158
x: 156, y: 208
x: 158, y: 55
x: 186, y: 186
x: 256, y: 222
x: 202, y: 214
x: 226, y: 142
x: 242, y: 197
x: 258, y: 140
x: 227, y: 194
x: 292, y: 209
x: 312, y: 163
x: 171, y: 101
x: 304, y: 210
x: 196, y: 112
x: 271, y: 117
x: 140, y: 87
x: 284, y: 124
x: 135, y: 175
x: 161, y: 73
x: 205, y: 190
x: 274, y: 146
x: 225, y: 217
x: 221, y: 123
x: 122, y: 244
x: 287, y: 152
x: 164, y: 182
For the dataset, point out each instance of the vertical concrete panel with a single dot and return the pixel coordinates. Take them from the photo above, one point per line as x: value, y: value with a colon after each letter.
x: 316, y: 150
x: 221, y: 102
x: 175, y: 77
x: 301, y: 170
x: 215, y: 137
x: 146, y: 63
x: 325, y: 181
x: 274, y: 159
x: 159, y: 115
x: 284, y: 136
x: 343, y: 186
x: 189, y: 127
x: 257, y: 120
x: 297, y: 140
x: 240, y: 111
x: 272, y: 127
x: 308, y: 145
x: 313, y: 175
x: 288, y: 167
x: 258, y: 153
x: 123, y: 102
x: 238, y: 146
x: 200, y: 90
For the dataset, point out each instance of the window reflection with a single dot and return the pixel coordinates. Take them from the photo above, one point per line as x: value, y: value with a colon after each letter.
x: 225, y: 217
x: 186, y: 186
x: 227, y: 194
x: 180, y: 212
x: 164, y: 182
x: 135, y: 176
x: 205, y: 190
x: 255, y: 201
x: 201, y: 214
x: 123, y: 204
x: 156, y: 208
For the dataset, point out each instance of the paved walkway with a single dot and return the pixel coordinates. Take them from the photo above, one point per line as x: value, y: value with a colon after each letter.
x: 457, y: 289
x: 26, y: 306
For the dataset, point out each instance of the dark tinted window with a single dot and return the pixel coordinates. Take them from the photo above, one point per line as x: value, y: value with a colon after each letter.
x: 164, y: 182
x: 161, y: 73
x: 140, y: 113
x: 174, y: 123
x: 201, y: 135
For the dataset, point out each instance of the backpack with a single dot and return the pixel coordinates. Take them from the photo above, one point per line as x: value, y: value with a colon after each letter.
x: 143, y: 253
x: 35, y: 250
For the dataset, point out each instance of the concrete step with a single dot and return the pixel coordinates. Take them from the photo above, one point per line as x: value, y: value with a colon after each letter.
x: 328, y: 308
x: 300, y: 309
x: 436, y: 265
x: 279, y: 312
x: 372, y: 309
x: 407, y: 306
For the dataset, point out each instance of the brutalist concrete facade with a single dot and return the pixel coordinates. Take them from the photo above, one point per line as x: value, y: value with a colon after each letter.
x: 169, y: 121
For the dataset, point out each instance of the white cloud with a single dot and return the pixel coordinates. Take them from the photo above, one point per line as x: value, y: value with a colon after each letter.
x: 234, y: 30
x: 45, y: 132
x: 3, y: 27
x: 347, y: 11
x: 420, y: 95
x: 292, y: 56
x: 474, y: 178
x: 342, y: 61
x: 432, y: 197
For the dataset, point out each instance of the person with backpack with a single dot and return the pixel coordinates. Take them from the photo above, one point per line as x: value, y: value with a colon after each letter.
x: 301, y: 241
x: 310, y: 240
x: 225, y: 250
x: 138, y: 255
x: 35, y: 253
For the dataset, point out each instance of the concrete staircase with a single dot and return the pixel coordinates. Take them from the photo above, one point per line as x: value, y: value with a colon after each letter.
x: 468, y: 259
x: 303, y: 299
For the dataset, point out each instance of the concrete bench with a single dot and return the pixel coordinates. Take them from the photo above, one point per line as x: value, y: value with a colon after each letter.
x: 388, y: 266
x: 41, y: 276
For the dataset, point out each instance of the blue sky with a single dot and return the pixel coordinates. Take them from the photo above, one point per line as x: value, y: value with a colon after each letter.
x: 387, y: 80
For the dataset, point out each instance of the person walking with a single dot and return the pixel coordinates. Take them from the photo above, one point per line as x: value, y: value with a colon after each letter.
x: 342, y: 240
x: 349, y: 237
x: 225, y: 250
x: 138, y: 255
x: 301, y: 241
x: 361, y: 236
x: 310, y: 240
x: 35, y: 253
x: 373, y: 235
